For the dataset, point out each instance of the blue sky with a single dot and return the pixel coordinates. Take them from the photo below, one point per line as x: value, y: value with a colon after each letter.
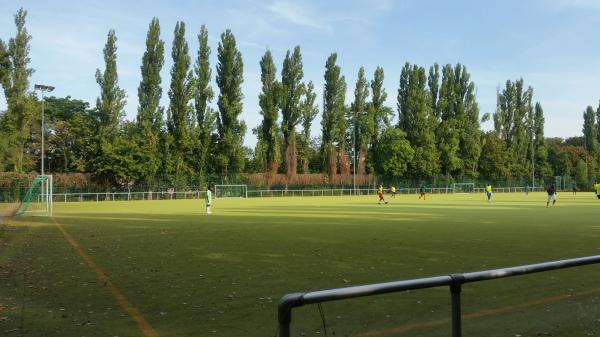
x: 551, y: 44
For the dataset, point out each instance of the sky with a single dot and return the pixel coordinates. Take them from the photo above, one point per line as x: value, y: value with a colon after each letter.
x: 551, y: 44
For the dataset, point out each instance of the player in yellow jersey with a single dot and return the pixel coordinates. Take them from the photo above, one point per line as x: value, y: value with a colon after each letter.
x: 488, y: 192
x: 380, y: 194
x: 393, y: 191
x: 597, y: 188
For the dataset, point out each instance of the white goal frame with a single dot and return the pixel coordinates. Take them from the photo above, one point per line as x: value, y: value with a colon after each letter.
x: 244, y: 191
x: 463, y: 184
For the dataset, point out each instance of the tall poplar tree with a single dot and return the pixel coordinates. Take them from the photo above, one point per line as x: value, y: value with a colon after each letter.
x: 291, y: 94
x: 362, y: 126
x: 542, y: 167
x: 17, y: 122
x: 590, y: 130
x: 379, y: 115
x: 417, y: 120
x: 269, y: 101
x: 449, y: 127
x: 309, y: 112
x: 230, y: 157
x: 112, y: 154
x: 203, y: 95
x: 333, y: 111
x: 150, y: 113
x: 180, y: 119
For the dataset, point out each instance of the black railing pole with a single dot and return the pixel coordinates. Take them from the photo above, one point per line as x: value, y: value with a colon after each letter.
x: 284, y: 313
x: 455, y: 290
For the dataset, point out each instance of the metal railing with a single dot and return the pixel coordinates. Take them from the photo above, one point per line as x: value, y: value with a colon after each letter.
x: 453, y: 281
x: 162, y: 195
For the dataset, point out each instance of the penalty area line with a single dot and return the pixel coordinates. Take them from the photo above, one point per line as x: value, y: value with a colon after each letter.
x: 478, y: 314
x: 132, y: 311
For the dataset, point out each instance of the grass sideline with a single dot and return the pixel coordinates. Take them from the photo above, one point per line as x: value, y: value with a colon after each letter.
x: 190, y: 274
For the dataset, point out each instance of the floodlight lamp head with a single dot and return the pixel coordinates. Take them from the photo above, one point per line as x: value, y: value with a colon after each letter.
x: 42, y: 87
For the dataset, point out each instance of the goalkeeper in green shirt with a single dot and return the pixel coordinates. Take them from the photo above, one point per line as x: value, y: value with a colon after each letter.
x: 208, y: 200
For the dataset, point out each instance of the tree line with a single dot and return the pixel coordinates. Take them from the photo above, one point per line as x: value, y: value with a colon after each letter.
x: 434, y: 130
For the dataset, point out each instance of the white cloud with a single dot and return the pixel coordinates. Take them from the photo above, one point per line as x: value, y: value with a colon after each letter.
x: 299, y: 15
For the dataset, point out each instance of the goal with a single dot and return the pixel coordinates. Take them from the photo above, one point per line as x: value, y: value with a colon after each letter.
x: 463, y: 187
x: 231, y: 191
x: 38, y: 198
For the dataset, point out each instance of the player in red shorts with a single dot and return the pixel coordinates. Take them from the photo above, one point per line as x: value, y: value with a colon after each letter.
x: 380, y: 194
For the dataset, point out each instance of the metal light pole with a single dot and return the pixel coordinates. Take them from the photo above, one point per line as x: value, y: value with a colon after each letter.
x: 43, y: 88
x: 354, y: 155
x: 532, y: 162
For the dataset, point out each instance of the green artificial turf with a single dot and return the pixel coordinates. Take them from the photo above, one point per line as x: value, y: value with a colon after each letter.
x: 192, y: 274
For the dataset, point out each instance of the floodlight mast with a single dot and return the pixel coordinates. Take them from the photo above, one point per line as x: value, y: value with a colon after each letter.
x: 43, y: 88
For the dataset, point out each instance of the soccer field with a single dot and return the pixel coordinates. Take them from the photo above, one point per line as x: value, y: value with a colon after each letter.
x: 163, y: 268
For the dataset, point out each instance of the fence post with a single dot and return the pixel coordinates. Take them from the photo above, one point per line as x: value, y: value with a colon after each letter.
x: 455, y: 289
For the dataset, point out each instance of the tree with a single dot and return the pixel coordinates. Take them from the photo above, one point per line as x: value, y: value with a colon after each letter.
x: 291, y: 109
x: 309, y: 112
x: 581, y: 175
x: 494, y: 162
x: 150, y: 113
x: 542, y: 168
x: 511, y: 120
x: 394, y: 153
x: 417, y: 120
x: 378, y: 116
x: 362, y: 123
x: 230, y: 153
x: 269, y: 101
x: 109, y: 154
x: 17, y: 121
x: 69, y: 131
x: 590, y: 130
x: 180, y: 121
x: 205, y: 115
x: 333, y: 122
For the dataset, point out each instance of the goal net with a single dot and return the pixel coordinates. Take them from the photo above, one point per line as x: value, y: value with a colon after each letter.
x: 463, y: 187
x: 38, y: 198
x: 231, y: 191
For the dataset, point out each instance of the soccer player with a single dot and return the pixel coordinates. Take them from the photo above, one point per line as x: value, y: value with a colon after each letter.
x: 527, y: 189
x: 597, y: 188
x: 380, y: 194
x: 574, y: 188
x: 208, y: 200
x: 551, y: 195
x: 488, y: 192
x: 393, y: 191
x: 422, y: 192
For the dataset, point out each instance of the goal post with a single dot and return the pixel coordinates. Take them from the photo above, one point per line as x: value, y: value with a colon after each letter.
x: 38, y: 198
x: 463, y: 187
x: 231, y: 191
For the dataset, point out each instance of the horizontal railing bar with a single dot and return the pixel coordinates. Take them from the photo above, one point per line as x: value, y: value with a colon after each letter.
x: 437, y: 281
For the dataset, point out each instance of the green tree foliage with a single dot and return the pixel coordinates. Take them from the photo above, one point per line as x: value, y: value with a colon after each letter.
x: 542, y: 167
x: 394, y: 153
x: 291, y: 106
x: 230, y: 153
x: 203, y: 95
x: 511, y: 121
x: 181, y: 121
x: 378, y: 117
x: 69, y: 128
x: 590, y: 130
x: 417, y: 120
x: 150, y: 113
x: 334, y: 122
x: 111, y: 151
x: 494, y: 162
x: 361, y: 123
x: 269, y: 101
x: 309, y: 112
x: 17, y: 123
x: 581, y: 175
